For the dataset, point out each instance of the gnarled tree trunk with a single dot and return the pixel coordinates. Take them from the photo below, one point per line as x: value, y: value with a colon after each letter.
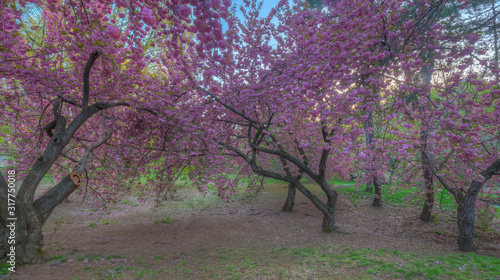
x: 24, y: 234
x: 329, y: 216
x: 466, y: 218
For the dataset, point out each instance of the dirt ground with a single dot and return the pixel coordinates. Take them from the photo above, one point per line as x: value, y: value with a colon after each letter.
x: 93, y: 241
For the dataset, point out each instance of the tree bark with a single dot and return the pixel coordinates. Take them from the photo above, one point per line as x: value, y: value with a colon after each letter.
x: 429, y: 190
x: 290, y: 199
x: 368, y: 142
x: 466, y: 218
x: 378, y: 192
x: 329, y: 217
x: 494, y: 29
x: 424, y: 132
x: 27, y: 229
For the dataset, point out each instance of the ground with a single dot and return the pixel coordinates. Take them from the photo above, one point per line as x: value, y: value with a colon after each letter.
x: 196, y: 238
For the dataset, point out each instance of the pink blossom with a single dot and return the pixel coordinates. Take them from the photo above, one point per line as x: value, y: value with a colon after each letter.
x: 113, y: 32
x: 148, y: 17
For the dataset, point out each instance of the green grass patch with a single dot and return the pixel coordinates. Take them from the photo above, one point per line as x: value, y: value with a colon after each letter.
x: 4, y: 267
x: 314, y: 263
x: 62, y: 259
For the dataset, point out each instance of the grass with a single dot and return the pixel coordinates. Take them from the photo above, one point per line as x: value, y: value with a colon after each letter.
x: 326, y: 262
x: 102, y: 223
x: 127, y: 202
x: 62, y: 259
x: 166, y: 220
x: 91, y: 257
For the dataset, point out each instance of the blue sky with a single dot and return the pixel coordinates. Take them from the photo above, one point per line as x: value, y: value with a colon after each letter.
x: 266, y: 7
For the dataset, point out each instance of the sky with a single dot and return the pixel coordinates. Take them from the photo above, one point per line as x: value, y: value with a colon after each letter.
x: 266, y: 7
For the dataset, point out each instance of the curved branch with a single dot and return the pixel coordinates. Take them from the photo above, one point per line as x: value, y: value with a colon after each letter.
x: 89, y: 149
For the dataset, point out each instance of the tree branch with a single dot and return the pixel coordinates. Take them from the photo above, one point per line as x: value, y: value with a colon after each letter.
x: 241, y: 114
x: 493, y: 169
x: 457, y: 194
x: 86, y: 78
x: 47, y: 202
x: 89, y: 149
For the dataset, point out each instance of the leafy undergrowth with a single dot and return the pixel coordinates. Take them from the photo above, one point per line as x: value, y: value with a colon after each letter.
x: 298, y: 263
x: 4, y: 267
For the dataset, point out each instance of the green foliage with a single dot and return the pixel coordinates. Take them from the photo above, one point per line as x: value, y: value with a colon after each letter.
x: 115, y: 272
x: 4, y: 267
x: 168, y: 220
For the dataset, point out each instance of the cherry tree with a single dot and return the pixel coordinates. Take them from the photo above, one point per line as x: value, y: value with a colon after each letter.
x: 299, y: 109
x: 451, y: 127
x: 82, y: 85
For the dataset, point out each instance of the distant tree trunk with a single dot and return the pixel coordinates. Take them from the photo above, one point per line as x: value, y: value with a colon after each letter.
x: 494, y: 28
x: 429, y: 195
x: 393, y: 162
x: 292, y: 189
x: 290, y: 199
x: 424, y: 131
x: 378, y: 192
x: 368, y: 142
x: 428, y: 183
x: 369, y: 186
x: 466, y: 218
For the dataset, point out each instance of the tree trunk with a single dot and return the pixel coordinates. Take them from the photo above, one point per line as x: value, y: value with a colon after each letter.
x: 378, y: 192
x: 466, y: 218
x: 494, y: 29
x: 368, y: 143
x: 329, y: 217
x: 290, y: 199
x: 369, y: 186
x: 25, y: 232
x: 429, y: 191
x: 425, y: 128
